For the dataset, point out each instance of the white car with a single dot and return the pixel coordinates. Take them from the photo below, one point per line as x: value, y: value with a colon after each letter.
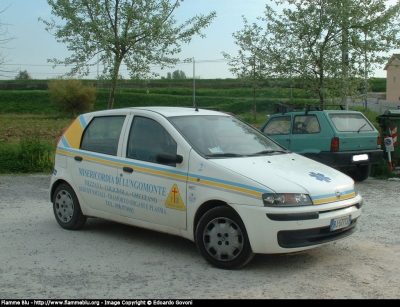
x: 203, y: 175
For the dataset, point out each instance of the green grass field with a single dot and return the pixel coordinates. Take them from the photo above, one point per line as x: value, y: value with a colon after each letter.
x: 30, y: 124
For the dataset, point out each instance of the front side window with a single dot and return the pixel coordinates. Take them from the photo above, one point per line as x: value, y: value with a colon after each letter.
x: 278, y: 125
x: 147, y: 138
x: 102, y: 134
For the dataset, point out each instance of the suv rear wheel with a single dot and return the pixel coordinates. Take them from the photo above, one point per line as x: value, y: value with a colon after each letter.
x: 361, y: 172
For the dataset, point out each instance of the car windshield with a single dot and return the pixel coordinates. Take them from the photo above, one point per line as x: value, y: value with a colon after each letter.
x: 224, y: 136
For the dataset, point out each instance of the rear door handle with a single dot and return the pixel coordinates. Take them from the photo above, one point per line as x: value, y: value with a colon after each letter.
x: 77, y: 158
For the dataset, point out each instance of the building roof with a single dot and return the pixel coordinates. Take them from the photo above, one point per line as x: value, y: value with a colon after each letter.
x: 395, y: 56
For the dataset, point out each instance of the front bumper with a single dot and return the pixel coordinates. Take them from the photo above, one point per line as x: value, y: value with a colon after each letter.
x: 292, y: 229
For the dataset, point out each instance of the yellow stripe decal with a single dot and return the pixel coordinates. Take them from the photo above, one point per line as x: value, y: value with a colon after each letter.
x: 192, y: 178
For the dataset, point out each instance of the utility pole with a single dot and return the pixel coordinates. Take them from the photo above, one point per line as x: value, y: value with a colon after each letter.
x: 194, y: 83
x: 365, y: 72
x: 345, y: 51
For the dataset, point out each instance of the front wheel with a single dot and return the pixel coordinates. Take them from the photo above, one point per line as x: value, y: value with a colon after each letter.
x: 361, y: 172
x: 222, y: 240
x: 67, y: 209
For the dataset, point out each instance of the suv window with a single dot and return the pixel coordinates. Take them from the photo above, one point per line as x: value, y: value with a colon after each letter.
x: 279, y: 125
x: 102, y: 134
x: 147, y: 138
x: 306, y: 124
x: 350, y: 122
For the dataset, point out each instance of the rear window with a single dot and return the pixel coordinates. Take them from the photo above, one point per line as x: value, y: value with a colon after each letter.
x: 350, y: 122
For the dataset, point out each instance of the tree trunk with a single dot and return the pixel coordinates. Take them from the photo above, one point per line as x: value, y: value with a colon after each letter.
x: 117, y: 63
x: 255, y: 105
x: 110, y: 104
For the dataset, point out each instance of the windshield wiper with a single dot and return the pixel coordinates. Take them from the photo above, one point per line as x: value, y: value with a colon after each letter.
x: 225, y: 154
x: 361, y: 128
x: 267, y: 152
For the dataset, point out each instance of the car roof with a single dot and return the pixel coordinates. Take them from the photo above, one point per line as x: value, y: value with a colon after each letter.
x: 164, y: 111
x: 320, y: 111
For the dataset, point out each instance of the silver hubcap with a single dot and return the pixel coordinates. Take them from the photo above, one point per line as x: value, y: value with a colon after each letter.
x: 223, y: 239
x: 64, y: 206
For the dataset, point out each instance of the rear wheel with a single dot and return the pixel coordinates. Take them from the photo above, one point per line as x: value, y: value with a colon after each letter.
x: 361, y: 172
x: 67, y: 210
x: 222, y: 240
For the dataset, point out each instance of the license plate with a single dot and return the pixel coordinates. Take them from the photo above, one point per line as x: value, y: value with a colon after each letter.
x: 363, y: 157
x: 340, y: 222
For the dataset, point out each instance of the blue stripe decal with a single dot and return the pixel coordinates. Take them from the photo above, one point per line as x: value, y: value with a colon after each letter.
x: 65, y: 142
x: 333, y: 194
x: 82, y: 121
x: 230, y: 183
x: 118, y: 160
x: 191, y: 175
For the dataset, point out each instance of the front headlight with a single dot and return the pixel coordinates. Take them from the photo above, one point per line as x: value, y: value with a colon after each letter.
x: 286, y: 199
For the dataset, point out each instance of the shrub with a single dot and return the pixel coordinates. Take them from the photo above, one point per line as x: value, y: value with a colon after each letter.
x: 71, y: 96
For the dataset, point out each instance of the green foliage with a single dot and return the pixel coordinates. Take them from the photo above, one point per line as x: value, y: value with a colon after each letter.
x: 26, y: 102
x: 377, y: 85
x: 27, y: 142
x: 31, y: 155
x: 328, y: 47
x: 138, y: 33
x: 178, y: 74
x: 23, y: 75
x: 71, y: 96
x: 382, y: 170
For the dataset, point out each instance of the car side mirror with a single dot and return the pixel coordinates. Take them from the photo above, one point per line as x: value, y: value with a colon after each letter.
x: 167, y: 158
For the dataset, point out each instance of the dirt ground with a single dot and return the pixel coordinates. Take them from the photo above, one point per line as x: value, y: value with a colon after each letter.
x: 105, y: 260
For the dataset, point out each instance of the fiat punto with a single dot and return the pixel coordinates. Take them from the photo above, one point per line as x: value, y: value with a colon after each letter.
x: 203, y: 175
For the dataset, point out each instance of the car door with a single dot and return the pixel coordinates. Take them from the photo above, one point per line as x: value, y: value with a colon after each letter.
x: 307, y: 135
x: 278, y: 128
x: 95, y: 164
x: 151, y: 191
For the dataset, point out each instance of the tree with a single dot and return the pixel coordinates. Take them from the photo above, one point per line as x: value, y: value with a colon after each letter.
x: 137, y: 33
x: 323, y: 44
x: 248, y: 67
x: 23, y: 75
x: 4, y: 39
x: 178, y: 74
x: 72, y: 96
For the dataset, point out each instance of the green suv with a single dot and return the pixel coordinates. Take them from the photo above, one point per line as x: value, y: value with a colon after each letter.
x: 343, y: 139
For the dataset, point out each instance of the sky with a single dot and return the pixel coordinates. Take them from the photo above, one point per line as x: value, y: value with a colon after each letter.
x: 33, y: 45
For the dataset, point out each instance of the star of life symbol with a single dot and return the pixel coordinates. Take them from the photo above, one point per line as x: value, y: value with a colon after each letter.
x: 320, y: 177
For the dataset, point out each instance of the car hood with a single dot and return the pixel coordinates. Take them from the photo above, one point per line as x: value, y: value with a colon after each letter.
x: 293, y: 173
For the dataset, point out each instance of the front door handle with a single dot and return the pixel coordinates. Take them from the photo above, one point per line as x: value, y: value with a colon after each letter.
x: 128, y: 169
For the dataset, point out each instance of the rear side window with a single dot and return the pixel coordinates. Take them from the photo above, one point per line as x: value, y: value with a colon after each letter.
x: 350, y: 122
x: 278, y: 125
x: 102, y: 134
x: 306, y: 124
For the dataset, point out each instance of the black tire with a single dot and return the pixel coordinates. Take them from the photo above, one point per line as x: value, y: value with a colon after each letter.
x: 67, y: 209
x: 222, y: 240
x: 361, y: 172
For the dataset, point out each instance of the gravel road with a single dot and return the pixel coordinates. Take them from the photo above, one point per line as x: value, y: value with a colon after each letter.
x: 105, y: 260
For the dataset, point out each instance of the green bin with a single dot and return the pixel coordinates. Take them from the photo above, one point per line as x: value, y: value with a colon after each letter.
x: 389, y: 123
